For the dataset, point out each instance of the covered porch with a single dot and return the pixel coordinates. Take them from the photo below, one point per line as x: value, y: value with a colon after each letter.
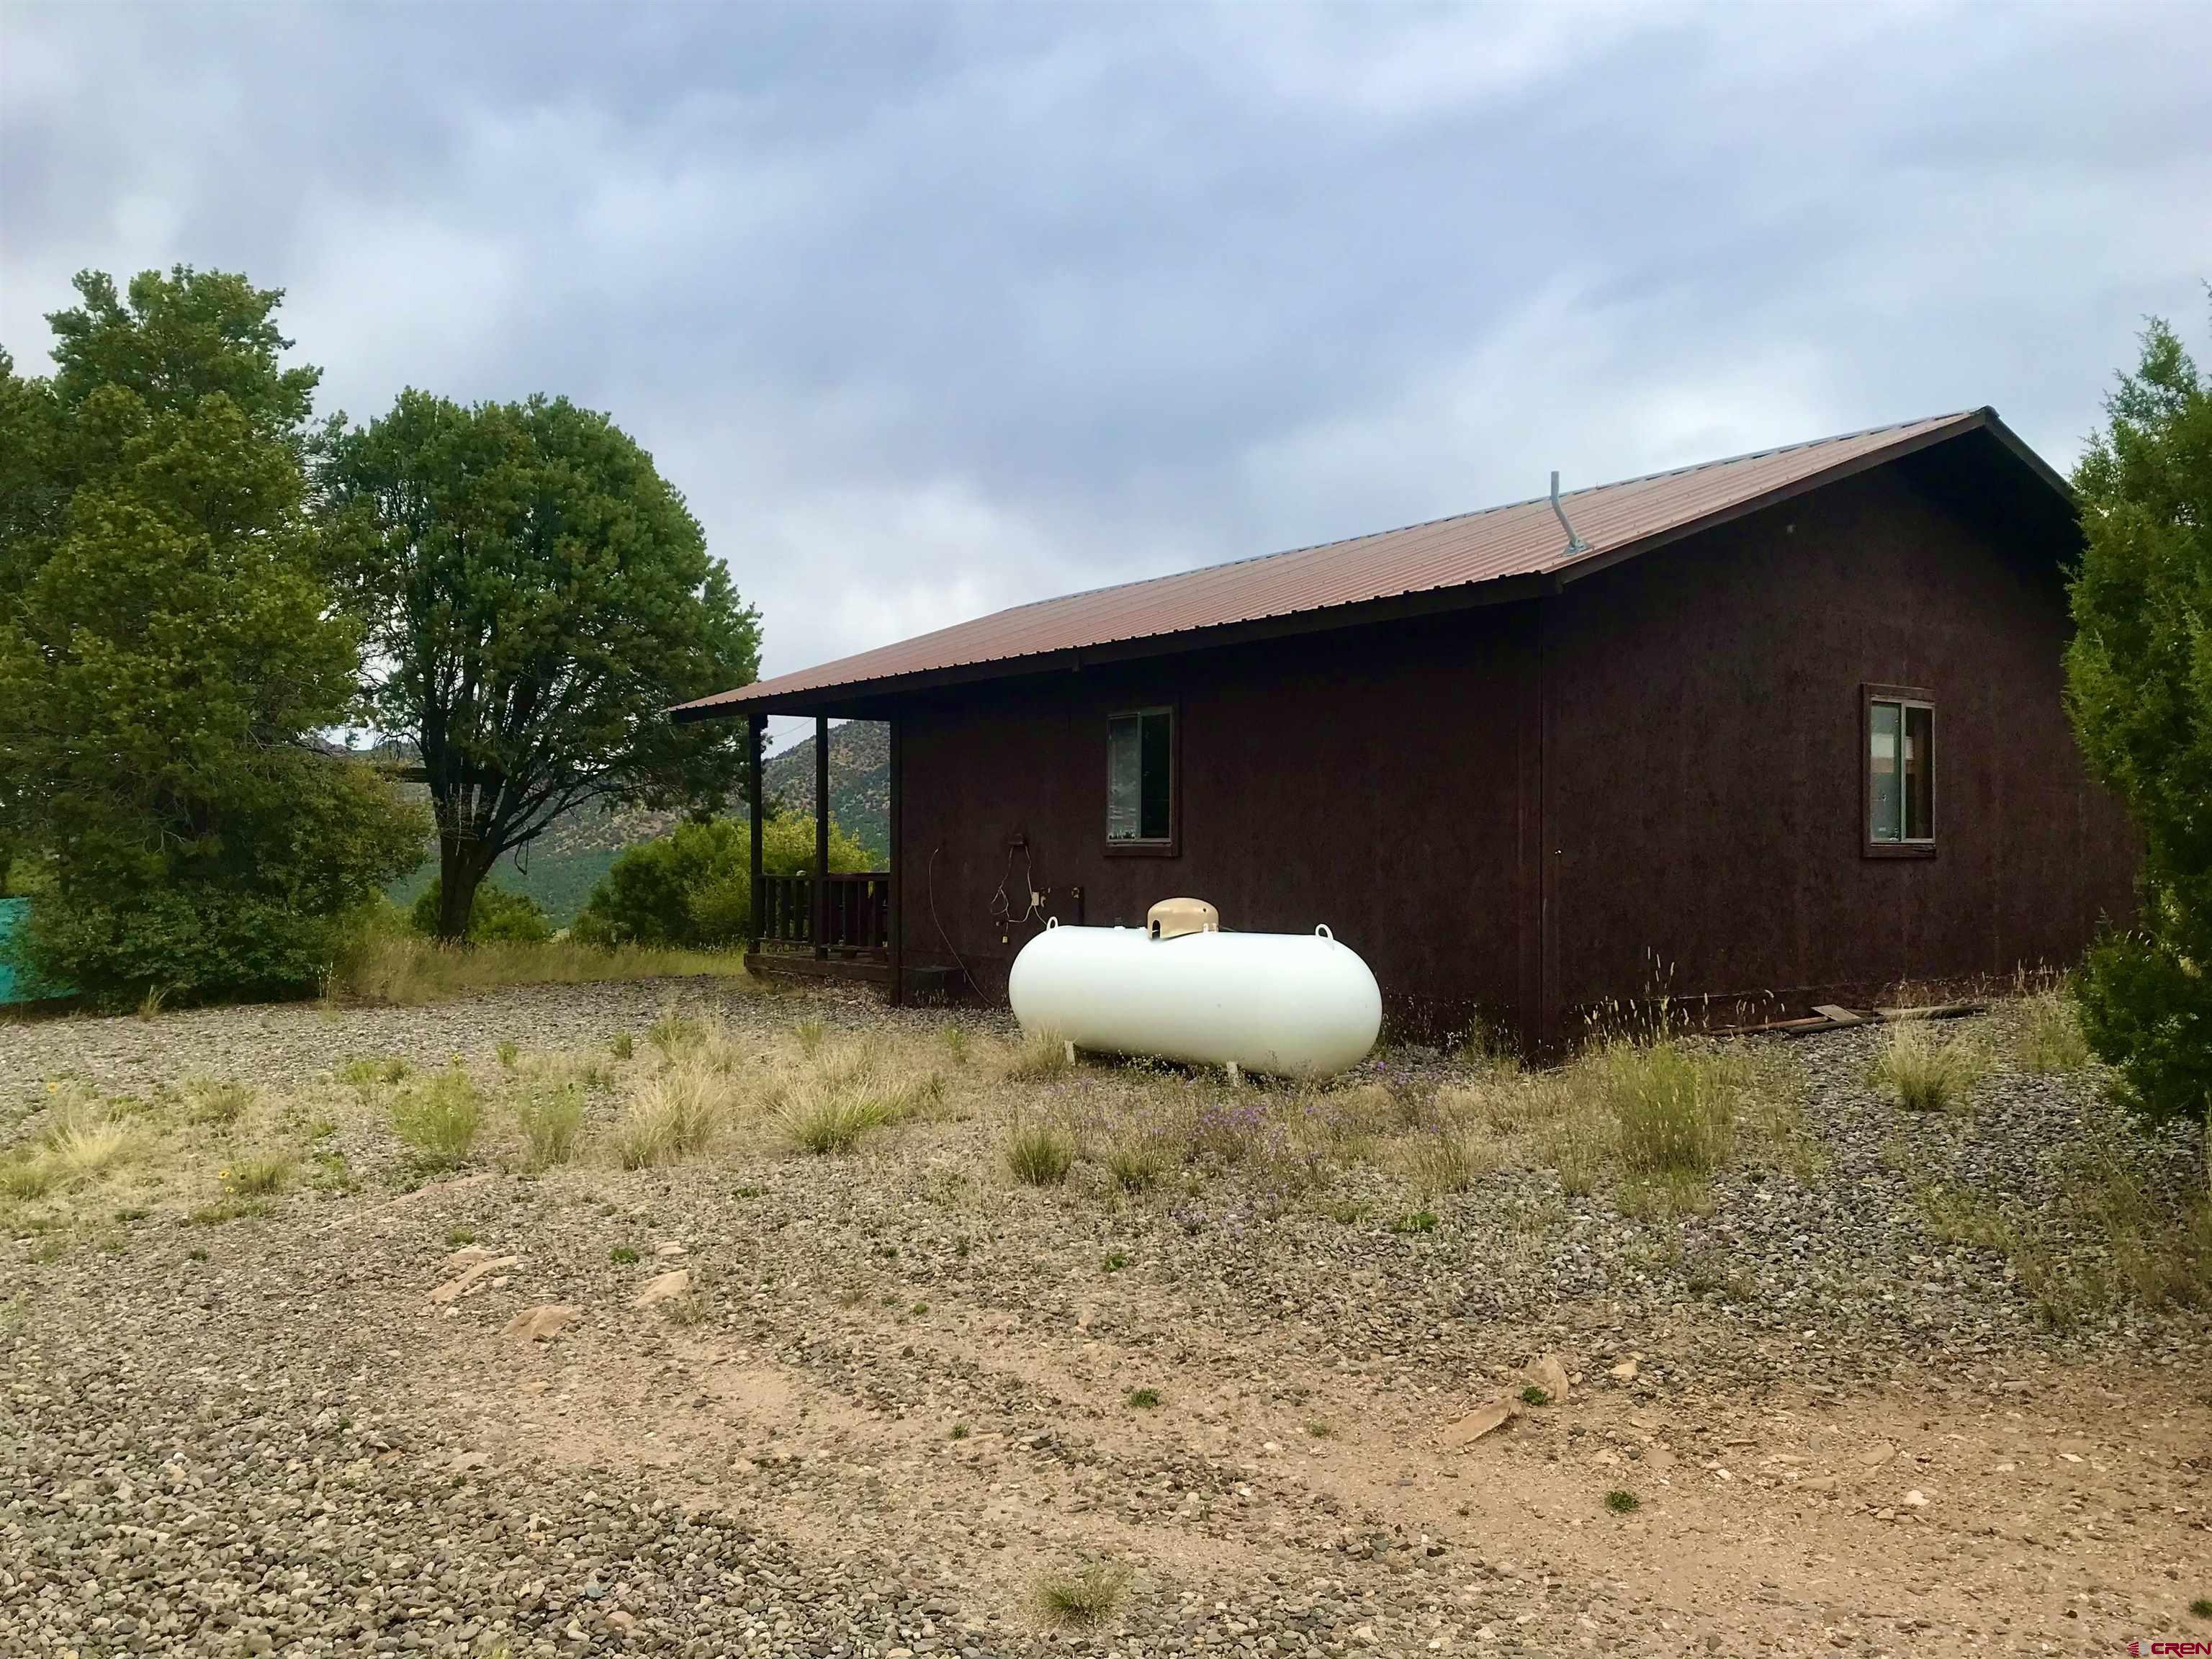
x: 827, y: 924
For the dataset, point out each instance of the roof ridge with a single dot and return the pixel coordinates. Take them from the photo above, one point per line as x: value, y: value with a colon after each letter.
x: 1455, y: 549
x: 1480, y: 512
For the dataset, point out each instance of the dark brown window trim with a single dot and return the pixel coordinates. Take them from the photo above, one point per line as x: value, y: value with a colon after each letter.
x: 1870, y: 694
x: 1172, y: 846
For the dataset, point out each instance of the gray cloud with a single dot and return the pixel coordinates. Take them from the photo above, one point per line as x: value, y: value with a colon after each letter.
x: 930, y: 309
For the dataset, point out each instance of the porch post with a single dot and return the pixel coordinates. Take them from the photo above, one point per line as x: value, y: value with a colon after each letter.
x: 896, y: 921
x: 754, y: 725
x: 821, y: 836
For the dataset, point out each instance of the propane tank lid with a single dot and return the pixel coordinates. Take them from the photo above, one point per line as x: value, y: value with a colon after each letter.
x: 1171, y: 918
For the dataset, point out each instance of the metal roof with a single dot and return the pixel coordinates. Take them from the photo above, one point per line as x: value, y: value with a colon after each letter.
x: 1521, y: 540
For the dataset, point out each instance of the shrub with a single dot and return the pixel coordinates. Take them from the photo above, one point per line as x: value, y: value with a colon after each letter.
x: 691, y: 888
x: 438, y: 1117
x: 1621, y: 1501
x: 1143, y: 1400
x: 170, y: 647
x: 2141, y: 705
x: 1925, y: 1073
x: 496, y: 916
x: 1039, y: 1154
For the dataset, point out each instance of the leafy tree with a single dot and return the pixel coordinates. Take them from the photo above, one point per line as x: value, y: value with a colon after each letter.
x: 537, y: 596
x: 168, y: 648
x: 495, y: 915
x: 2139, y: 687
x: 692, y: 887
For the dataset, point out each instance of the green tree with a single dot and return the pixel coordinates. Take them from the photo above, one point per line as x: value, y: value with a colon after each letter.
x: 168, y: 651
x: 494, y: 915
x: 2139, y: 688
x: 692, y: 887
x: 536, y: 596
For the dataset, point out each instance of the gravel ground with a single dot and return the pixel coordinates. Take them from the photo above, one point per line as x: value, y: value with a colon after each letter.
x: 896, y: 1394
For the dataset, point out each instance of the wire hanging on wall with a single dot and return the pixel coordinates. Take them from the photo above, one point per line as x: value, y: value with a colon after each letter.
x: 1001, y: 906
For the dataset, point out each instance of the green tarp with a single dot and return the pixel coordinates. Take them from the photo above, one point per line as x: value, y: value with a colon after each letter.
x: 11, y: 917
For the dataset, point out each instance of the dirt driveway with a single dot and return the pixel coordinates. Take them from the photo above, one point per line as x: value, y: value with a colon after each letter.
x: 903, y: 1402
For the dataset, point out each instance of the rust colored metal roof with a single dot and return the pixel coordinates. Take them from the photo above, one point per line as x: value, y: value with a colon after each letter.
x: 1520, y: 540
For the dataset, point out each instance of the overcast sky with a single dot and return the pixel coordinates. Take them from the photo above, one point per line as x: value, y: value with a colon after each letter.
x: 929, y: 310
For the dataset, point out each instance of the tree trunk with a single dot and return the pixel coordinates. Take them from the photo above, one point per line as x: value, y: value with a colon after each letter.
x: 461, y: 869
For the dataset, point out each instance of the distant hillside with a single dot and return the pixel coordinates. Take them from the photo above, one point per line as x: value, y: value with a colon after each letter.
x: 859, y: 781
x: 562, y: 867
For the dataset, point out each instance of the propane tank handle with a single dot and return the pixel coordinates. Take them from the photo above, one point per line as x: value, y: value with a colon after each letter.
x: 1051, y: 922
x: 1321, y: 930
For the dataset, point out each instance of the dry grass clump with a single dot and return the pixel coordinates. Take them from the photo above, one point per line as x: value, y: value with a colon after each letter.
x: 28, y: 1176
x: 2153, y: 1233
x: 676, y: 1113
x: 259, y: 1176
x: 1957, y: 1214
x: 2114, y: 1228
x: 1444, y: 1160
x: 822, y: 1116
x: 1925, y: 1073
x: 366, y: 1073
x: 1083, y: 1595
x: 216, y: 1100
x: 1654, y: 1117
x: 1136, y: 1164
x: 549, y: 1110
x: 678, y: 1034
x: 1039, y: 1057
x: 84, y: 1142
x: 438, y: 1117
x: 1283, y: 1139
x: 837, y: 1098
x: 1673, y: 1106
x: 2051, y: 1036
x: 408, y: 969
x: 1039, y: 1153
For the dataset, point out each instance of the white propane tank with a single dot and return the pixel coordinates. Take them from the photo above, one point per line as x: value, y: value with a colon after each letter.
x: 1295, y: 1005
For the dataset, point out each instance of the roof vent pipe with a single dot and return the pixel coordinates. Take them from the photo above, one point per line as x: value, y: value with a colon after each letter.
x: 1574, y: 543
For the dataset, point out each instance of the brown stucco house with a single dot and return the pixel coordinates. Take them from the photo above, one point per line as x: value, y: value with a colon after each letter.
x: 1780, y: 730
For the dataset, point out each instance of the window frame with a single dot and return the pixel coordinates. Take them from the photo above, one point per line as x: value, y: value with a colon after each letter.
x: 1906, y: 696
x: 1156, y: 848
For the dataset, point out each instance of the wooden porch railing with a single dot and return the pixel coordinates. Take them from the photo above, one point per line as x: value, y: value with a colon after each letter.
x: 856, y: 906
